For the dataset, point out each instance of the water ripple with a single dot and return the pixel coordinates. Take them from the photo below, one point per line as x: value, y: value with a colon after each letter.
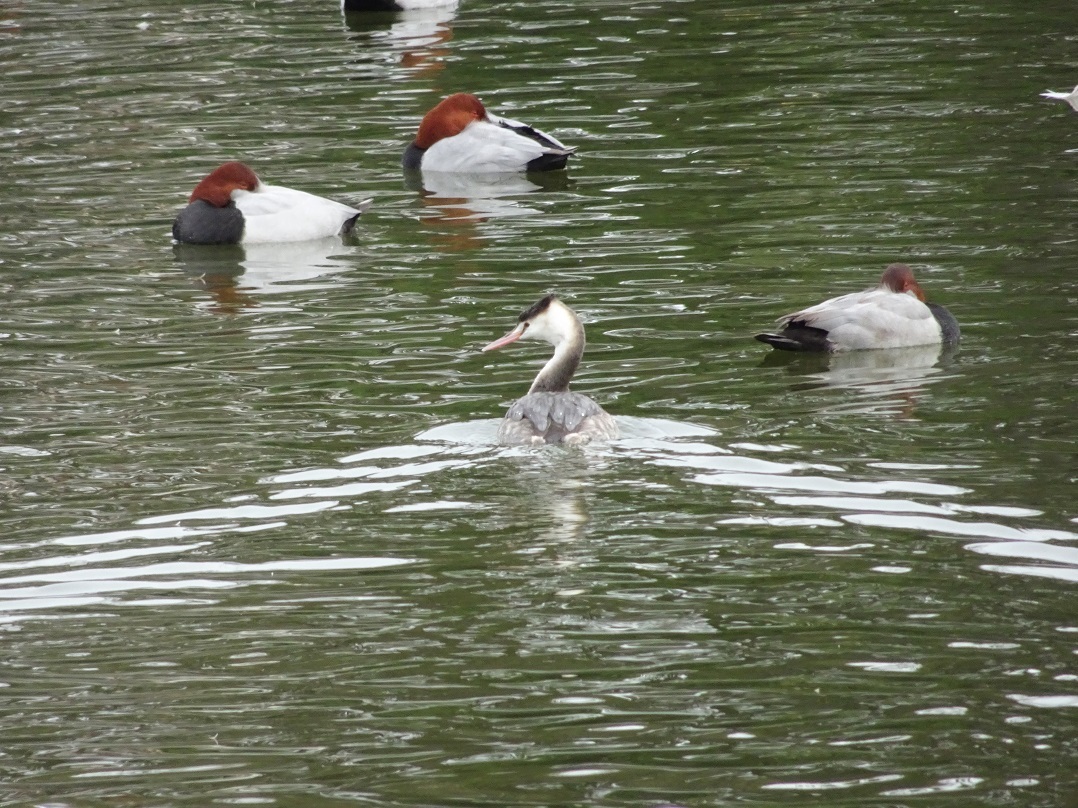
x: 257, y: 532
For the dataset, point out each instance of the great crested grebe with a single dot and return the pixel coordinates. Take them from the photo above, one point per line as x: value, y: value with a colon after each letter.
x: 892, y: 315
x: 551, y: 412
x: 460, y: 135
x: 232, y: 206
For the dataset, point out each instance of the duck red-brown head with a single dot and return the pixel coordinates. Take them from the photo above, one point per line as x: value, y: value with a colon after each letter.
x: 899, y: 278
x: 449, y: 118
x: 217, y: 188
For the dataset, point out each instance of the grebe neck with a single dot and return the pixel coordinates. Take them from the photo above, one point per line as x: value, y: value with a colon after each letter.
x: 559, y: 369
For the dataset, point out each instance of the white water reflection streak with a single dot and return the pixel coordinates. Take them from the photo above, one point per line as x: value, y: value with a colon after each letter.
x: 408, y: 478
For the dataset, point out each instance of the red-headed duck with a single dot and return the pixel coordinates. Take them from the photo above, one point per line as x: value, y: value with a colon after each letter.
x: 232, y: 206
x: 460, y: 135
x: 892, y: 315
x: 394, y: 5
x: 551, y: 413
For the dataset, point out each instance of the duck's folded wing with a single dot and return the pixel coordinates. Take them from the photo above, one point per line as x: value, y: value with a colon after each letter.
x: 483, y: 148
x: 875, y: 319
x: 275, y: 213
x: 548, y: 141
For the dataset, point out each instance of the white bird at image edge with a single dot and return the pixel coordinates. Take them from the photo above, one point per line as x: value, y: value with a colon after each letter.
x: 1071, y: 97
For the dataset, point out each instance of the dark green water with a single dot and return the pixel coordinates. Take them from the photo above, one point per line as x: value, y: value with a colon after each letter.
x: 257, y: 546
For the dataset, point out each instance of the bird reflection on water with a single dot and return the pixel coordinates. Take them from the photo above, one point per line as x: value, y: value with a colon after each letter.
x: 887, y: 382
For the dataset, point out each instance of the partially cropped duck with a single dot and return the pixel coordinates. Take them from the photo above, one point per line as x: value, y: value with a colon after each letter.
x: 232, y: 206
x: 460, y: 135
x: 551, y: 412
x: 1071, y: 97
x: 893, y: 315
x: 393, y: 5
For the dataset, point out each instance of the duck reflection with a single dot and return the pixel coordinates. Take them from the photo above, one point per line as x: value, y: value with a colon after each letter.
x: 885, y: 382
x: 416, y: 37
x: 237, y: 275
x: 463, y: 201
x: 479, y: 196
x: 9, y: 18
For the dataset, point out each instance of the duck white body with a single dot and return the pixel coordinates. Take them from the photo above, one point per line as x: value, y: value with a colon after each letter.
x: 232, y: 206
x: 892, y: 315
x: 460, y: 135
x: 1071, y: 97
x: 550, y: 412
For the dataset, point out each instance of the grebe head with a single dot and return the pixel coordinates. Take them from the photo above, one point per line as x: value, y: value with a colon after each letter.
x: 548, y: 320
